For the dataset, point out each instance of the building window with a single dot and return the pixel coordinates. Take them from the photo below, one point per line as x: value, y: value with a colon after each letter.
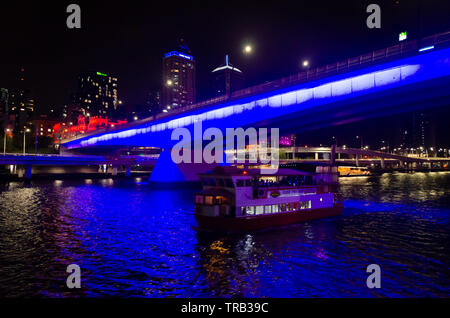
x: 268, y: 209
x: 275, y: 208
x: 283, y: 207
x: 250, y: 210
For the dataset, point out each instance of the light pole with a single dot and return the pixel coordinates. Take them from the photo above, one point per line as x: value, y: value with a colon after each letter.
x: 361, y: 139
x: 335, y: 140
x: 4, y: 141
x: 25, y: 130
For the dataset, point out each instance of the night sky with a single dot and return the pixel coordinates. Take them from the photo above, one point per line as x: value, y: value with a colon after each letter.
x: 128, y: 39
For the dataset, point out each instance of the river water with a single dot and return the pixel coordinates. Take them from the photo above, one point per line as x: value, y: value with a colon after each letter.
x: 132, y: 240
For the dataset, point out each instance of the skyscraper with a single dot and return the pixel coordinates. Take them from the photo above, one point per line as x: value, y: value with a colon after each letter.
x: 4, y: 102
x: 178, y: 87
x: 96, y: 94
x: 227, y: 79
x: 21, y: 103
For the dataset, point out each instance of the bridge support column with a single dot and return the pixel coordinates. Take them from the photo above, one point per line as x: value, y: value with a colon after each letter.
x: 114, y: 171
x: 128, y: 171
x: 167, y: 171
x: 316, y: 156
x: 28, y: 170
x: 357, y: 160
x: 383, y: 164
x: 20, y: 172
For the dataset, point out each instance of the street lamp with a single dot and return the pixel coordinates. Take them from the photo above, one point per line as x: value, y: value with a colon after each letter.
x: 4, y: 141
x: 248, y: 49
x: 335, y: 140
x: 25, y: 130
x: 305, y: 64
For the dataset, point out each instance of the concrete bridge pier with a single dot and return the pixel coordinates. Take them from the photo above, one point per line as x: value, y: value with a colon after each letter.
x: 383, y: 164
x: 167, y: 171
x: 24, y: 172
x: 28, y: 170
x: 127, y: 171
x: 357, y: 160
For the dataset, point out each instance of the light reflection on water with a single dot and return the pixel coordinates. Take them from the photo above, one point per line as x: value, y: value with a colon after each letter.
x: 133, y: 240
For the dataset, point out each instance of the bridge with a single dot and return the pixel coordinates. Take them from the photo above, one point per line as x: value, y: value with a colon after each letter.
x: 357, y: 157
x: 22, y: 164
x: 401, y: 78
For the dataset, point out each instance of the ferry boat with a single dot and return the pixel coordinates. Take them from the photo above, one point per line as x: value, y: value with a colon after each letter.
x: 234, y: 199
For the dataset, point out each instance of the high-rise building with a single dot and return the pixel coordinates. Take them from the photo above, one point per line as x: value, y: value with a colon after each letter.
x: 178, y: 87
x: 4, y: 102
x: 153, y: 102
x: 21, y: 103
x: 227, y: 79
x: 96, y: 94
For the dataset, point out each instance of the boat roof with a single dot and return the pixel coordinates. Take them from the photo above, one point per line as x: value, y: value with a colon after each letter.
x: 233, y: 171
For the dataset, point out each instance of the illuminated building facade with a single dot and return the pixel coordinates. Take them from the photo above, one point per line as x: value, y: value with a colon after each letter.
x: 96, y: 94
x: 44, y: 126
x: 178, y: 87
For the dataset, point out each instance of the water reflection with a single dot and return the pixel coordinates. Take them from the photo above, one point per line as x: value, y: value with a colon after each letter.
x: 134, y: 240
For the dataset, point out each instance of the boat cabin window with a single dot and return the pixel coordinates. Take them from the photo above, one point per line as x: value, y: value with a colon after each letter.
x: 220, y: 200
x: 209, y: 199
x: 248, y: 183
x: 239, y: 183
x: 283, y: 181
x: 250, y: 210
x: 220, y: 182
x: 199, y: 199
x: 259, y: 209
